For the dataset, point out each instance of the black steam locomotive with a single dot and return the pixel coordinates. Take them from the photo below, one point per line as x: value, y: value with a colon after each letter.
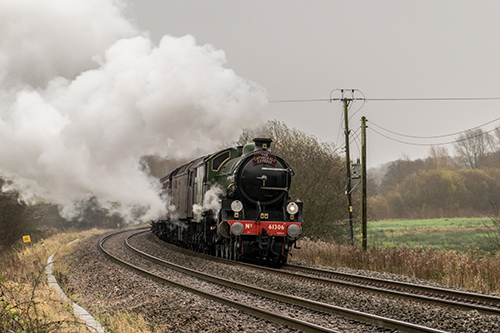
x: 233, y: 204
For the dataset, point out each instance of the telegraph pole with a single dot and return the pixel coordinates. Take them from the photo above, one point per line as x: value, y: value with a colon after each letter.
x: 364, y: 219
x: 346, y: 102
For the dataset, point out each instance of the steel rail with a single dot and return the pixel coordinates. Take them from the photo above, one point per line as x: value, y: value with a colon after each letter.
x: 400, y: 289
x: 252, y: 310
x: 427, y: 294
x: 484, y: 303
x: 314, y: 305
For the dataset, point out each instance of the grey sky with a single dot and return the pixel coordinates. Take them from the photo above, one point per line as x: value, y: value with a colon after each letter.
x: 300, y: 50
x: 84, y: 93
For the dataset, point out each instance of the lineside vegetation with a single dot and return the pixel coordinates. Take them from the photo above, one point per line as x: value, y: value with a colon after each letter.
x: 470, y: 270
x: 29, y: 304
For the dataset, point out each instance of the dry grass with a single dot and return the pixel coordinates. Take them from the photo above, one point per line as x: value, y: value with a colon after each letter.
x: 469, y: 270
x: 19, y: 264
x: 28, y: 303
x: 28, y: 308
x: 125, y: 323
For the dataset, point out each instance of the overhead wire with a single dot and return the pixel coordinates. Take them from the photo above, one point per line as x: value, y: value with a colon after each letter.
x: 364, y: 102
x: 387, y: 99
x: 300, y: 100
x: 356, y: 139
x: 432, y: 144
x: 340, y: 127
x: 435, y: 136
x: 364, y: 99
x: 434, y: 99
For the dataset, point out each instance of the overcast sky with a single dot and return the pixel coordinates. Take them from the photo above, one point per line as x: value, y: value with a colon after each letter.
x: 88, y: 87
x: 302, y: 50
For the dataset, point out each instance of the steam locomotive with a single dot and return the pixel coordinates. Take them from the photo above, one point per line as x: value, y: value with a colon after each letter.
x: 233, y: 204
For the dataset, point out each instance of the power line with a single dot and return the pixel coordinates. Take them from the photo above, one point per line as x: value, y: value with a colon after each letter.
x: 431, y: 144
x: 364, y: 102
x: 356, y: 138
x: 435, y: 99
x: 388, y: 99
x: 418, y: 99
x: 364, y: 99
x: 300, y: 100
x: 435, y: 136
x: 406, y: 142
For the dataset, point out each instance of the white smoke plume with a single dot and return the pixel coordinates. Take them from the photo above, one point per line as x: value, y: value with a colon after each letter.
x: 211, y: 202
x: 84, y: 95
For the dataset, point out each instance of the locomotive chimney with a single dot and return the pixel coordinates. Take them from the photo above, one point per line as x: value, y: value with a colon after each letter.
x: 262, y: 143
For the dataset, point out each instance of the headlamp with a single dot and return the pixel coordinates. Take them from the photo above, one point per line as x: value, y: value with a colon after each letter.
x: 236, y: 206
x: 292, y: 208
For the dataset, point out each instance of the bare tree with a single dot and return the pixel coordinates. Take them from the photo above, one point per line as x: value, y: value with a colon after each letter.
x: 496, y: 140
x: 399, y: 170
x: 15, y: 218
x: 472, y: 146
x: 439, y: 159
x: 319, y: 178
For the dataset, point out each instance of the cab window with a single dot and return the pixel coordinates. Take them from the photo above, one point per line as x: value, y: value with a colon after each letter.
x: 219, y: 160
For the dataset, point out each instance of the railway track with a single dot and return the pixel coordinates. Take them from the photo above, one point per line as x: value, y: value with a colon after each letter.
x: 440, y: 296
x: 265, y: 314
x: 258, y: 312
x: 449, y: 298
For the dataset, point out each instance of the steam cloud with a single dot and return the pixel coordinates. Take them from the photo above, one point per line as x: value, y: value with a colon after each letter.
x: 84, y: 94
x: 210, y: 202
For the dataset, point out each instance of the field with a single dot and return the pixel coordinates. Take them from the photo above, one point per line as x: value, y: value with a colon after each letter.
x: 458, y: 234
x: 456, y: 252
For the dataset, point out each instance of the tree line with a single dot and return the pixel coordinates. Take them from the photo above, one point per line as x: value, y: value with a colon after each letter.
x: 466, y: 184
x: 18, y: 219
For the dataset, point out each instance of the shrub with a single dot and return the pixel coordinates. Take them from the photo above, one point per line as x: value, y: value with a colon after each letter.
x: 471, y: 270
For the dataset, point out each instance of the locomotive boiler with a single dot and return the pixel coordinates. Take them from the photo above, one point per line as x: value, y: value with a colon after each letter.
x: 233, y: 204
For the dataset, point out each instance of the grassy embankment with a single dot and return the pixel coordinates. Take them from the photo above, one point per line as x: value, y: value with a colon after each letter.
x: 453, y: 258
x: 454, y: 252
x: 29, y: 304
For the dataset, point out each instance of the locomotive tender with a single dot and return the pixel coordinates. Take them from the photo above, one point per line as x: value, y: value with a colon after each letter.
x: 253, y: 218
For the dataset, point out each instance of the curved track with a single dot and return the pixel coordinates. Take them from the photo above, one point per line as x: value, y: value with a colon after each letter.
x: 317, y: 306
x: 260, y: 313
x: 440, y: 296
x: 450, y: 298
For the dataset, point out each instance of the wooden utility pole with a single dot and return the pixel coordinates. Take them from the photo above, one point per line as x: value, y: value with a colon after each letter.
x: 349, y: 188
x: 364, y: 219
x: 348, y: 167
